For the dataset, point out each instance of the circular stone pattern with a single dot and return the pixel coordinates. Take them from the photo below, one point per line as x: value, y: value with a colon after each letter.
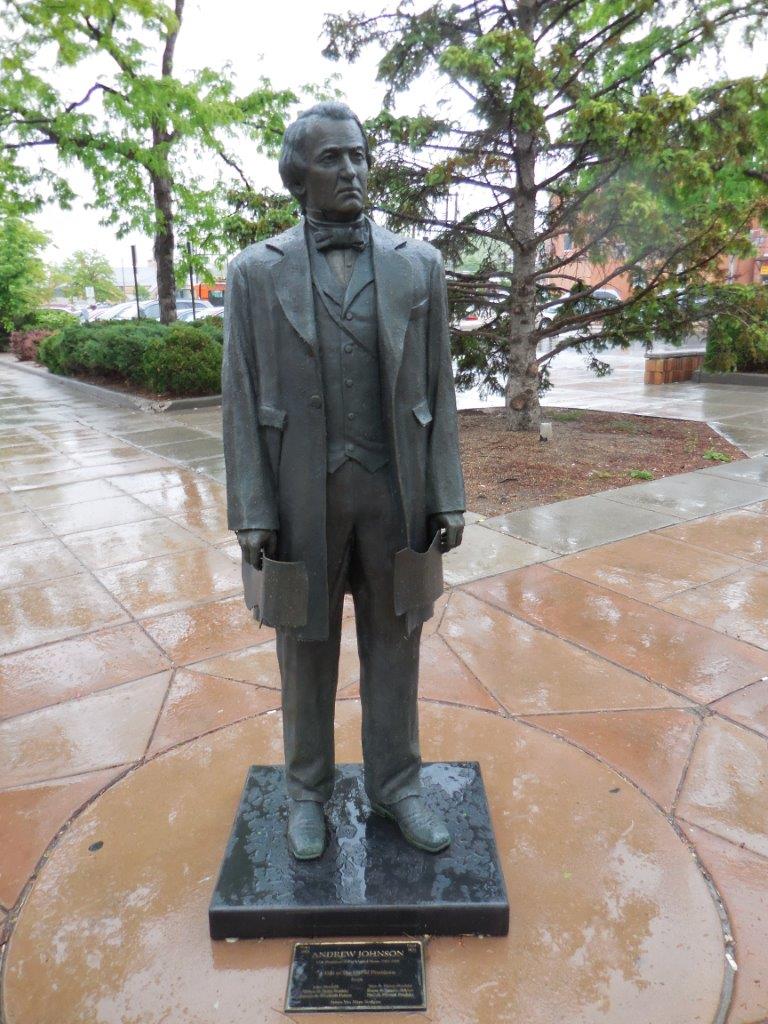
x: 611, y: 921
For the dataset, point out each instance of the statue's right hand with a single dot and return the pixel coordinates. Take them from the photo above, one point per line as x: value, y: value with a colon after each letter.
x: 253, y: 542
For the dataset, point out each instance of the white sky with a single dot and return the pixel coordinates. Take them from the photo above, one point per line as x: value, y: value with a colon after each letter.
x: 282, y: 41
x: 278, y: 40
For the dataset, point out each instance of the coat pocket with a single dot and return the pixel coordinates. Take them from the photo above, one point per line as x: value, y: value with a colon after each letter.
x: 271, y: 417
x: 274, y: 420
x: 422, y: 413
x: 418, y: 577
x: 420, y: 309
x: 277, y: 593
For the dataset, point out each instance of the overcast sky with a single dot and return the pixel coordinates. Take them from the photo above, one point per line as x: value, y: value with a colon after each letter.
x: 281, y: 40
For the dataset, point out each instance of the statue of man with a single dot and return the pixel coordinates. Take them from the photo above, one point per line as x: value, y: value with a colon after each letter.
x: 341, y: 445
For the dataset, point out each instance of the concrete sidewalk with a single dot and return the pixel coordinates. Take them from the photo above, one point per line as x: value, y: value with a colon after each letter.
x: 604, y: 658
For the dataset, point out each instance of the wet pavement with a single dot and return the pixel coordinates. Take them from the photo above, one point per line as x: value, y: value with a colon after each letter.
x: 605, y: 659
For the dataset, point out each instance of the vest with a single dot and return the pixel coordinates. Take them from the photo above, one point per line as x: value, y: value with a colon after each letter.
x: 347, y: 333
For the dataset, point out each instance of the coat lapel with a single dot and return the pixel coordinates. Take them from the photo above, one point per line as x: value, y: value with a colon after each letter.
x: 394, y: 296
x: 394, y: 289
x: 293, y: 283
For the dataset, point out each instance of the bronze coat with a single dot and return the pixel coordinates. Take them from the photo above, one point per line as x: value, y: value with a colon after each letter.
x: 272, y: 396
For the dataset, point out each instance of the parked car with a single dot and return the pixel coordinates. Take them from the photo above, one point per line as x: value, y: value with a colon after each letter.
x: 474, y: 319
x: 204, y: 313
x: 150, y: 309
x: 599, y: 297
x: 110, y: 312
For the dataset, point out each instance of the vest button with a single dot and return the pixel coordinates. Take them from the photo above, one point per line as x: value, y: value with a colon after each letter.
x: 316, y: 402
x: 348, y: 348
x: 349, y: 382
x: 349, y: 316
x: 350, y: 415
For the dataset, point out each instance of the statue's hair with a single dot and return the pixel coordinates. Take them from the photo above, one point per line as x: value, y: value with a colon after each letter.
x: 293, y: 165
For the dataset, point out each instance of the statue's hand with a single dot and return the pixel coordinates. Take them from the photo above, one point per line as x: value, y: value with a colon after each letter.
x: 451, y: 524
x: 253, y: 542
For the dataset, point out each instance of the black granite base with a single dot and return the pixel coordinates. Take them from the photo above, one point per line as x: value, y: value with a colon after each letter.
x: 369, y: 881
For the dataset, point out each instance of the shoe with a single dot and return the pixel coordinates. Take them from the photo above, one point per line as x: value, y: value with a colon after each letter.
x: 306, y: 829
x: 420, y: 826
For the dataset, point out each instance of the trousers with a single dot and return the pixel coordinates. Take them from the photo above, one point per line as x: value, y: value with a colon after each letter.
x: 364, y: 530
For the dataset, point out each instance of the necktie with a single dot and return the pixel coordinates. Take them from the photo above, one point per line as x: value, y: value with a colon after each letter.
x: 340, y: 236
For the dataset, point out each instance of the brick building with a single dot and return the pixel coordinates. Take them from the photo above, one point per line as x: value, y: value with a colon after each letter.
x: 731, y: 269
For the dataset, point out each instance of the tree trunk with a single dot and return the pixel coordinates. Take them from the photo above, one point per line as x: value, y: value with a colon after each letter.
x: 164, y: 247
x: 522, y: 397
x: 162, y: 190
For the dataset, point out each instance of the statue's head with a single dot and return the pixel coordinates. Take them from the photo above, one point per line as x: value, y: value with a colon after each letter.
x: 324, y: 162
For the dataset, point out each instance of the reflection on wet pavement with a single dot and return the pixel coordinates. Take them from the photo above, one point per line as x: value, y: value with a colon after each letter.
x: 615, y: 694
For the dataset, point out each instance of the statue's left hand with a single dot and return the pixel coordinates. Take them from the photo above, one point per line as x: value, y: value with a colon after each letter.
x: 451, y: 524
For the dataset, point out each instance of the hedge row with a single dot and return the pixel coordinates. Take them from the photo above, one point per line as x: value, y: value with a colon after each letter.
x: 174, y: 359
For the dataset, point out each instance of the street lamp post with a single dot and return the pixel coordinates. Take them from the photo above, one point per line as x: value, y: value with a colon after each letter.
x: 191, y: 281
x: 135, y: 281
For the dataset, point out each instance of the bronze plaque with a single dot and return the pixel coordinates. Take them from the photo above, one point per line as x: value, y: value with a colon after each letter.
x: 356, y: 976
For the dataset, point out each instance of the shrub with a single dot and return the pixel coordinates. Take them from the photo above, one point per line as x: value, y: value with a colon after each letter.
x: 24, y: 343
x: 737, y: 337
x: 49, y: 320
x: 109, y: 348
x: 35, y: 320
x: 213, y: 326
x: 185, y: 361
x: 176, y: 359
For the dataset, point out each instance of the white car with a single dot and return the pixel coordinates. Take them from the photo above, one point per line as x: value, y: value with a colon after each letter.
x: 150, y: 309
x: 186, y: 315
x: 110, y: 312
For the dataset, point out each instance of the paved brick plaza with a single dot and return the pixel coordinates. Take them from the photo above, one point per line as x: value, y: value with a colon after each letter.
x: 605, y: 659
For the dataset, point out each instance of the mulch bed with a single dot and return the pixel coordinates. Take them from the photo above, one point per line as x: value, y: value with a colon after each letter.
x: 589, y: 452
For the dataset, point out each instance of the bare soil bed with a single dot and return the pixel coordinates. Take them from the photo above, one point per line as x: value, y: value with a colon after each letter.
x: 589, y: 452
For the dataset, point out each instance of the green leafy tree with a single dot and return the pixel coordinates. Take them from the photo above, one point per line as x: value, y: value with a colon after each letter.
x: 138, y: 129
x: 555, y: 118
x: 87, y: 269
x: 22, y: 271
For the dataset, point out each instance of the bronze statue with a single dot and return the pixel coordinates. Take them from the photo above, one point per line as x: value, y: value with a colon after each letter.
x: 343, y: 470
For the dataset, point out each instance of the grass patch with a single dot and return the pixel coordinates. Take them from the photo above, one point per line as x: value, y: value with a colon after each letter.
x: 713, y: 455
x: 626, y: 426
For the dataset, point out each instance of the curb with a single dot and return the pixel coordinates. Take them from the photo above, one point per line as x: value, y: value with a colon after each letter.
x: 755, y: 380
x: 121, y: 399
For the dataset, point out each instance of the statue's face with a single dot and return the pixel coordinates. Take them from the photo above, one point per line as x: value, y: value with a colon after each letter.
x: 336, y: 178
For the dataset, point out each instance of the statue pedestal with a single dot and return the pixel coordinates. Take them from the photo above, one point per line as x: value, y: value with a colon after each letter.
x: 369, y: 881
